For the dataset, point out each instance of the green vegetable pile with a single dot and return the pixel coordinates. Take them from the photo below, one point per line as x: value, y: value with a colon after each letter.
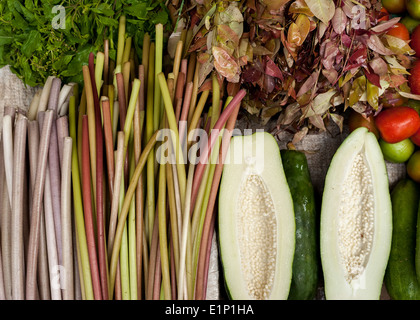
x: 54, y: 37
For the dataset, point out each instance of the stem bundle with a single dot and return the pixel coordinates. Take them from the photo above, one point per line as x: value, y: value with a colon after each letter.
x: 122, y: 182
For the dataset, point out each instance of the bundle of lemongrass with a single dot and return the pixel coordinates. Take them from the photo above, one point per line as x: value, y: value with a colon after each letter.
x: 119, y: 202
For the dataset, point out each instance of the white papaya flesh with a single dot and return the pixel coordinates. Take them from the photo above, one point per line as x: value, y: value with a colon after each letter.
x: 256, y: 222
x: 356, y: 220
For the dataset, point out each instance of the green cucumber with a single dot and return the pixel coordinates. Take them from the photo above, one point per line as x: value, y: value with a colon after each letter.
x: 305, y: 263
x: 401, y: 278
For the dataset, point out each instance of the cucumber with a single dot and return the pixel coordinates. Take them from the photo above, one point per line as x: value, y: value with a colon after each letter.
x: 306, y: 259
x: 400, y: 278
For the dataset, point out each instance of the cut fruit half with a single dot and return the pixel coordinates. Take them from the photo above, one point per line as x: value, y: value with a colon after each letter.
x: 356, y: 220
x: 256, y: 220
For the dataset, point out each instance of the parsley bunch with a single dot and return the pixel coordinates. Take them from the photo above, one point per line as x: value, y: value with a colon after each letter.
x: 39, y: 38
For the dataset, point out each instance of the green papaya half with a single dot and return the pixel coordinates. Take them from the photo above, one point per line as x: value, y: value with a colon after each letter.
x: 356, y: 220
x: 256, y: 221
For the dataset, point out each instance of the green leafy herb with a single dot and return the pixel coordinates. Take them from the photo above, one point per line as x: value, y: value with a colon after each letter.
x: 54, y: 37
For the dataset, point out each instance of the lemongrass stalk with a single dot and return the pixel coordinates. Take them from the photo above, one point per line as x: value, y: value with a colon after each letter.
x: 66, y: 218
x: 62, y: 103
x: 115, y: 120
x: 78, y: 124
x: 53, y: 259
x: 132, y: 244
x: 124, y: 260
x: 54, y: 94
x: 188, y: 37
x: 193, y: 123
x: 33, y: 146
x: 145, y: 55
x: 119, y: 160
x: 177, y: 60
x: 106, y: 67
x: 78, y: 268
x: 43, y: 100
x: 180, y: 163
x: 111, y: 72
x: 121, y: 98
x: 117, y: 70
x: 100, y: 207
x: 150, y: 171
x: 163, y: 241
x: 90, y: 108
x: 207, y: 183
x: 183, y: 125
x: 130, y: 112
x: 192, y: 62
x: 179, y: 94
x: 194, y: 91
x: 8, y: 152
x: 38, y: 194
x: 173, y: 220
x: 184, y: 68
x: 121, y: 40
x: 154, y: 247
x: 185, y: 234
x: 2, y: 285
x: 127, y: 50
x: 213, y: 136
x: 172, y: 270
x: 139, y: 197
x: 6, y: 241
x: 85, y: 274
x: 199, y: 203
x: 88, y: 211
x: 109, y: 146
x: 133, y: 64
x: 49, y: 224
x: 118, y: 293
x: 158, y: 69
x: 171, y: 86
x: 99, y: 69
x: 145, y: 260
x: 215, y: 100
x: 125, y: 207
x: 62, y: 125
x: 17, y: 261
x: 208, y: 226
x: 33, y: 107
x: 5, y: 228
x: 126, y: 76
x: 110, y: 95
x: 55, y: 180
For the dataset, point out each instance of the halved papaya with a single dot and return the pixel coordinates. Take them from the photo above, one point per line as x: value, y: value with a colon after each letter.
x: 356, y: 220
x: 256, y: 220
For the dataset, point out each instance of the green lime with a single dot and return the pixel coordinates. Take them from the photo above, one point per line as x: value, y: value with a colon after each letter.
x: 394, y: 6
x: 397, y: 152
x: 413, y: 8
x: 415, y: 104
x: 413, y: 166
x: 410, y: 23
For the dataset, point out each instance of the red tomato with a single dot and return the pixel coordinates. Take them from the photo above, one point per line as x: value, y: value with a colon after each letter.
x: 415, y: 138
x: 384, y: 15
x: 398, y: 123
x: 414, y: 78
x: 399, y: 31
x: 391, y: 98
x: 357, y: 120
x: 415, y: 41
